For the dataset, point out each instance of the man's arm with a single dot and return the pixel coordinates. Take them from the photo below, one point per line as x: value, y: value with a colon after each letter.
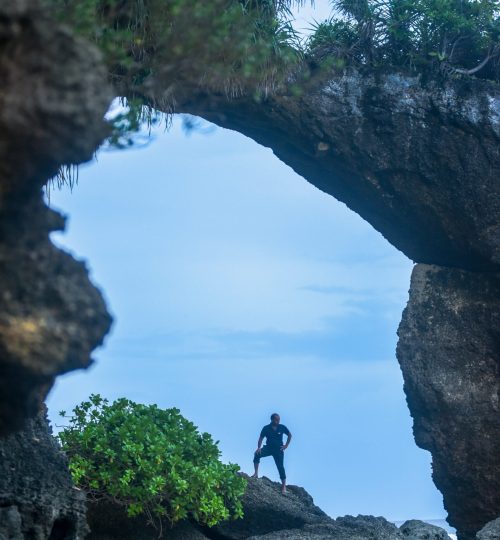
x: 259, y: 444
x: 288, y: 439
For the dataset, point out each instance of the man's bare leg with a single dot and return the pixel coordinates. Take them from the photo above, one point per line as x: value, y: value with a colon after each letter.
x: 256, y: 473
x: 283, y: 487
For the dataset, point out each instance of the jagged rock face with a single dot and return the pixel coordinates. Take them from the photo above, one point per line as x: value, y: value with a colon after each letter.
x: 420, y: 162
x: 491, y: 531
x: 37, y: 498
x: 51, y: 316
x: 419, y: 530
x: 54, y: 95
x: 268, y: 515
x: 291, y: 512
x: 108, y: 521
x: 449, y: 352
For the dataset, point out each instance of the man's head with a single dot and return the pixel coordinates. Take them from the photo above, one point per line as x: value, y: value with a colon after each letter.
x: 275, y: 419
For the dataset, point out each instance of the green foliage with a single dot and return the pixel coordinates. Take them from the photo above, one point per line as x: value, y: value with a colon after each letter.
x: 150, y: 460
x: 455, y: 36
x: 225, y: 45
x: 153, y: 47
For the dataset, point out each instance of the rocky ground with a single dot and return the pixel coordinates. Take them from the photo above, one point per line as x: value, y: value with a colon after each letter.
x: 268, y: 516
x: 39, y: 502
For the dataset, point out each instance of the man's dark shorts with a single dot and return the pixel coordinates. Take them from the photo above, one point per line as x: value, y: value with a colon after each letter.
x: 278, y: 456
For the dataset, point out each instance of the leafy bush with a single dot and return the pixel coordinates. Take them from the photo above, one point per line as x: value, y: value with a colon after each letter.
x: 150, y: 460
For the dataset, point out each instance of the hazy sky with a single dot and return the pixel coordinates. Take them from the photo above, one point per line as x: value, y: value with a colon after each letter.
x: 238, y: 289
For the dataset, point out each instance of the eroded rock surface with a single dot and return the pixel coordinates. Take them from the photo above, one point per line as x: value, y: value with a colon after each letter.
x: 449, y: 352
x: 420, y: 162
x: 491, y: 531
x: 53, y: 99
x: 37, y: 497
x: 268, y: 516
x: 419, y: 530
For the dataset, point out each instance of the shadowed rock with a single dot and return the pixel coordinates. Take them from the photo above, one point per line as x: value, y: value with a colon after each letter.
x: 268, y: 515
x: 53, y: 99
x: 449, y: 346
x: 419, y: 530
x: 420, y: 161
x: 491, y: 531
x: 37, y: 497
x: 405, y: 155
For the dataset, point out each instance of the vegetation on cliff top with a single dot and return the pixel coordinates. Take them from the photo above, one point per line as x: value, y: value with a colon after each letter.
x: 156, y: 50
x: 152, y: 461
x: 454, y: 37
x: 235, y: 46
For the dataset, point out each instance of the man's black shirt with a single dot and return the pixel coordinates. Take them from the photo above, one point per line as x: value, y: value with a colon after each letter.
x: 274, y: 437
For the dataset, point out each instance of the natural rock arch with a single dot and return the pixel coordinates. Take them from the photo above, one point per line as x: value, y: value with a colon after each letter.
x: 420, y: 163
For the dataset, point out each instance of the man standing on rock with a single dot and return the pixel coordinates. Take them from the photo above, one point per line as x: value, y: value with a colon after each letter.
x: 273, y: 433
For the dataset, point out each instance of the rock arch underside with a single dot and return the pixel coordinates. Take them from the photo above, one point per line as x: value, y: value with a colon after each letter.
x: 420, y: 162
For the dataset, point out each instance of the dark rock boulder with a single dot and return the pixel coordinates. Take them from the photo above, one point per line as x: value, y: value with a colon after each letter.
x: 109, y: 521
x: 54, y: 95
x: 346, y: 528
x: 491, y: 531
x: 37, y: 497
x: 267, y: 510
x: 268, y: 515
x: 414, y: 529
x: 449, y: 352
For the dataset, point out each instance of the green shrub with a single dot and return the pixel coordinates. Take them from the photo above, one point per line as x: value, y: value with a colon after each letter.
x: 150, y: 460
x: 459, y: 37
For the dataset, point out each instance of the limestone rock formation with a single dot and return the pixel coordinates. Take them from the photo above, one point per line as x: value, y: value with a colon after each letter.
x: 491, y: 531
x: 419, y: 530
x: 449, y: 342
x: 54, y: 95
x: 420, y: 161
x: 37, y: 497
x: 268, y: 516
x: 404, y: 154
x: 266, y: 510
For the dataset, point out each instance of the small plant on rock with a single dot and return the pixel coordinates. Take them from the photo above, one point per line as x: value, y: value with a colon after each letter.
x: 150, y: 460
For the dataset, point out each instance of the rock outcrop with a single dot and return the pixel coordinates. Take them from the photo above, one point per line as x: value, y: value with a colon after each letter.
x: 268, y: 516
x: 449, y: 342
x: 491, y: 531
x: 37, y: 497
x: 54, y: 95
x: 419, y: 530
x: 419, y: 160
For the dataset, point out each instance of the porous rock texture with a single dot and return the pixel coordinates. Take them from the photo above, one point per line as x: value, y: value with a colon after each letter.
x: 491, y: 531
x: 37, y: 497
x: 449, y: 343
x: 419, y: 530
x: 420, y: 161
x: 53, y: 99
x: 268, y: 515
x: 417, y: 159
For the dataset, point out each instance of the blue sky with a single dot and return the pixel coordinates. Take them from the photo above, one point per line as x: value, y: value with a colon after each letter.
x: 238, y: 289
